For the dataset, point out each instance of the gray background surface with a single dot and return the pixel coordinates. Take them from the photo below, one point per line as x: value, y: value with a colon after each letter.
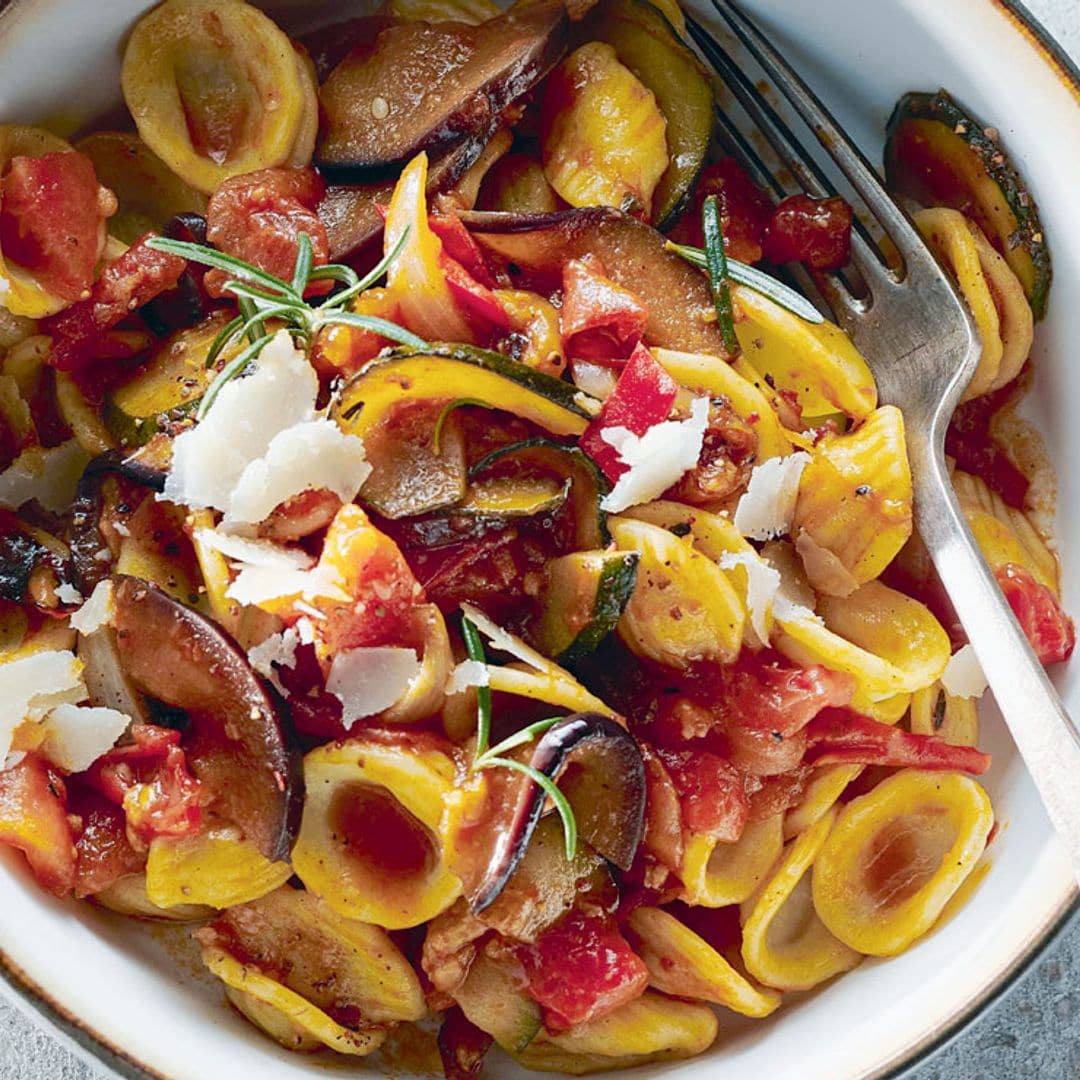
x: 1033, y: 1032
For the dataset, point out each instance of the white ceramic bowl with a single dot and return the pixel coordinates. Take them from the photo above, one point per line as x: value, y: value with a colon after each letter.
x: 132, y: 995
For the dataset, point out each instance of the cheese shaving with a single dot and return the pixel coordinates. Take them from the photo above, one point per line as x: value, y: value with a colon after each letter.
x: 66, y: 593
x: 762, y: 585
x: 367, y: 681
x: 75, y: 736
x: 963, y: 676
x: 263, y: 442
x: 277, y: 651
x: 468, y: 673
x: 657, y: 459
x: 50, y: 476
x: 97, y: 611
x: 33, y: 686
x: 506, y: 642
x: 767, y: 506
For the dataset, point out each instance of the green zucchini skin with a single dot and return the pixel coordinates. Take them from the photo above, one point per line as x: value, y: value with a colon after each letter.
x: 1024, y: 242
x: 614, y: 587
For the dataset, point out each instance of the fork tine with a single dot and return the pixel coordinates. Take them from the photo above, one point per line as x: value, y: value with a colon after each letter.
x: 849, y: 159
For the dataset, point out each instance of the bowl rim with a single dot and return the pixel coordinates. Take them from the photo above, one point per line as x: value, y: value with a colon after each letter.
x: 39, y: 1004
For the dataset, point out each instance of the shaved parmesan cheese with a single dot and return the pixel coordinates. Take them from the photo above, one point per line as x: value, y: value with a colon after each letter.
x: 762, y: 585
x: 277, y: 651
x: 504, y: 641
x: 656, y: 459
x: 963, y: 676
x: 97, y: 611
x: 33, y: 686
x: 263, y: 442
x: 75, y: 736
x: 768, y: 504
x: 468, y: 673
x: 66, y: 593
x: 366, y: 681
x: 50, y: 476
x: 266, y: 571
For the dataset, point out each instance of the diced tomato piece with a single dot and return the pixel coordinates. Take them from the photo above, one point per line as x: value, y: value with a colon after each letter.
x: 712, y: 793
x: 127, y: 283
x: 151, y: 781
x: 728, y: 453
x: 475, y: 301
x: 744, y: 211
x: 816, y: 232
x: 969, y: 440
x: 259, y: 216
x: 1051, y: 632
x: 52, y: 220
x: 779, y: 792
x: 462, y: 1046
x: 103, y: 851
x: 599, y: 320
x: 840, y: 735
x: 582, y: 969
x: 33, y: 818
x: 642, y: 397
x: 459, y: 245
x: 382, y: 590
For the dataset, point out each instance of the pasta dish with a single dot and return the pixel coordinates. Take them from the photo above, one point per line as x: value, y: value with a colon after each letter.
x: 445, y: 564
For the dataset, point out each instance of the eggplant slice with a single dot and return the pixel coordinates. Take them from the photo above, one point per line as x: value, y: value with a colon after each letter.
x: 681, y: 312
x: 600, y: 771
x: 421, y: 87
x: 235, y: 743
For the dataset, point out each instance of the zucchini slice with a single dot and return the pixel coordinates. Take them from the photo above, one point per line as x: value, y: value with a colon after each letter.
x: 939, y: 155
x: 447, y: 372
x: 586, y: 594
x: 514, y: 496
x: 646, y: 42
x: 587, y: 484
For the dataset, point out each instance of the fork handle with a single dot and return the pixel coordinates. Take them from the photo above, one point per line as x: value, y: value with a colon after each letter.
x: 1044, y: 733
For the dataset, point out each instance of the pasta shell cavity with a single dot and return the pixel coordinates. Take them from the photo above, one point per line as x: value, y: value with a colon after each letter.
x: 651, y: 1028
x: 310, y: 978
x: 785, y: 944
x: 680, y: 962
x: 684, y: 608
x: 815, y: 361
x: 216, y: 89
x: 371, y: 840
x: 716, y: 875
x: 854, y: 511
x: 896, y: 856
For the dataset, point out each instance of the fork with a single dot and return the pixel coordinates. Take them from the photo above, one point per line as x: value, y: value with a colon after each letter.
x: 923, y: 348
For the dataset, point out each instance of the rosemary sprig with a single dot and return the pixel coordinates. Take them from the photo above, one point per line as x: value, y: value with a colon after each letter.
x: 261, y: 297
x: 719, y: 282
x: 494, y: 757
x: 755, y: 279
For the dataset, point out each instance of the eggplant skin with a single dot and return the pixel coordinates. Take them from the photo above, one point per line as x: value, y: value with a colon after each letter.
x: 422, y: 87
x: 236, y: 741
x: 608, y: 796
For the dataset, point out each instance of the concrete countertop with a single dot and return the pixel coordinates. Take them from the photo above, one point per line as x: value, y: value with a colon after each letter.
x: 1033, y: 1032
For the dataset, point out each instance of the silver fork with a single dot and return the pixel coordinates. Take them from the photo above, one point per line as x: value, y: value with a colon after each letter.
x: 922, y: 346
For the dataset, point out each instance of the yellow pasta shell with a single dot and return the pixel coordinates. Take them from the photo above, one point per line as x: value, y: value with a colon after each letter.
x: 715, y: 875
x: 785, y: 944
x: 896, y: 856
x: 408, y: 789
x: 954, y: 719
x: 680, y: 962
x: 825, y: 787
x: 855, y: 502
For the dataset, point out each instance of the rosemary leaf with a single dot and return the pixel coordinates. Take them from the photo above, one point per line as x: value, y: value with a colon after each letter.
x: 228, y: 332
x: 383, y: 327
x: 519, y: 738
x: 474, y: 647
x: 716, y: 261
x: 551, y: 789
x: 206, y: 256
x: 305, y: 257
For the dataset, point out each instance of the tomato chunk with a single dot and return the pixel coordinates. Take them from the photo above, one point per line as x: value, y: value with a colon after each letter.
x: 33, y: 819
x: 259, y: 216
x: 52, y: 220
x: 712, y: 793
x: 476, y: 302
x: 151, y: 782
x: 103, y: 851
x: 127, y: 283
x: 599, y: 320
x: 1051, y: 632
x: 840, y: 735
x: 642, y: 397
x: 582, y: 969
x: 744, y: 211
x: 816, y: 232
